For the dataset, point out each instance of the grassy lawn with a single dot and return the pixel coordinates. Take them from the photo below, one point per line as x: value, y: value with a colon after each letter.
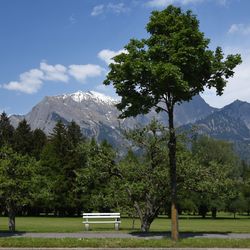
x: 113, y: 243
x: 187, y: 224
x: 162, y: 224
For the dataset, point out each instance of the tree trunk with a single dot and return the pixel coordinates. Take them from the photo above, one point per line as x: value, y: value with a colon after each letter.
x: 133, y: 223
x: 214, y: 212
x: 203, y: 211
x: 145, y: 224
x: 12, y: 220
x: 173, y: 177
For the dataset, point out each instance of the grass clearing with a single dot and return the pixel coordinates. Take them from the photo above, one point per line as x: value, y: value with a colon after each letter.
x: 223, y: 224
x: 113, y: 243
x: 161, y: 224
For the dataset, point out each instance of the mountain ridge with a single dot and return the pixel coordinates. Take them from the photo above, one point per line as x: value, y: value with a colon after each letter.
x: 97, y: 117
x: 230, y: 123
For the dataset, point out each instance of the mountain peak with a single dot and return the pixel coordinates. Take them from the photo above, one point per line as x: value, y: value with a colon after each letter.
x: 80, y: 96
x: 236, y: 103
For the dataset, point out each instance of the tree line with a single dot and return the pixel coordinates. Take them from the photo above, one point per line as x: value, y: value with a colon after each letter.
x: 64, y: 174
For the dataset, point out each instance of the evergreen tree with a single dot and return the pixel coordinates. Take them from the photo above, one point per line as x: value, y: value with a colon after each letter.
x: 6, y: 130
x: 74, y: 134
x: 39, y: 139
x: 58, y: 139
x: 23, y: 138
x: 60, y: 160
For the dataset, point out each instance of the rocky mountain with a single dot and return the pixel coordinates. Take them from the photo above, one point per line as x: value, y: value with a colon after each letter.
x: 231, y: 123
x: 97, y: 115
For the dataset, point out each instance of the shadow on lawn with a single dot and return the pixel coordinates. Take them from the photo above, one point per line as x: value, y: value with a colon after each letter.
x: 11, y: 234
x: 183, y: 235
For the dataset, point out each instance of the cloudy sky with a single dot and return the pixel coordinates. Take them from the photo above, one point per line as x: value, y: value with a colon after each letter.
x: 51, y: 47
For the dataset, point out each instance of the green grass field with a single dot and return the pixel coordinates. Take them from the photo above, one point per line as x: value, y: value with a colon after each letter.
x: 224, y: 224
x: 162, y: 224
x: 114, y: 243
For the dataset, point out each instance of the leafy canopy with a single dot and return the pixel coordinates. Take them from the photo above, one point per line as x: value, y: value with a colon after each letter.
x: 172, y: 65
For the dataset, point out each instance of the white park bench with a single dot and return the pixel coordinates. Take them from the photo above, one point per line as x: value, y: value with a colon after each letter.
x: 105, y: 218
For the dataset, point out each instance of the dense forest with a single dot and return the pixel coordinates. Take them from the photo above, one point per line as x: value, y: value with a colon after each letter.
x: 64, y: 174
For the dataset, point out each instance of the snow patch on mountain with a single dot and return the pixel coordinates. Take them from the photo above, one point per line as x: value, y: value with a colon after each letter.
x: 80, y: 96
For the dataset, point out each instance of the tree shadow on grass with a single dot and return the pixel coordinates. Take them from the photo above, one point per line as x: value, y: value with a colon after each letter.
x: 5, y: 233
x: 183, y: 235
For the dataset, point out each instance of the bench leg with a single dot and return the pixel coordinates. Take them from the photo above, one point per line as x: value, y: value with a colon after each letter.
x: 86, y: 226
x: 117, y: 226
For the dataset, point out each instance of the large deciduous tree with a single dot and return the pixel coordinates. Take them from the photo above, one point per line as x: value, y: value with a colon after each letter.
x: 170, y: 66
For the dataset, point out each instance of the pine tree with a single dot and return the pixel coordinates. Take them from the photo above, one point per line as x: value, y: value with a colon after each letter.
x: 23, y: 138
x: 6, y: 130
x: 39, y: 139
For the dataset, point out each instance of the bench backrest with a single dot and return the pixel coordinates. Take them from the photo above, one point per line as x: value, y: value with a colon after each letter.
x: 101, y: 215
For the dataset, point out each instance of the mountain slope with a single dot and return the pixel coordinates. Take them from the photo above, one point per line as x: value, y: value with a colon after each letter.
x: 231, y: 123
x: 98, y: 117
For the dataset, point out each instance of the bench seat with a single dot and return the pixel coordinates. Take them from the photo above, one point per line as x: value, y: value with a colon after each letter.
x: 89, y: 216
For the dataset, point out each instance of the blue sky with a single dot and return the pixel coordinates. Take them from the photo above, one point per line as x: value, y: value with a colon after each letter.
x: 51, y: 47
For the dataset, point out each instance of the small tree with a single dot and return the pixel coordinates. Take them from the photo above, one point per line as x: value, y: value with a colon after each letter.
x: 144, y: 176
x: 171, y: 66
x: 16, y: 175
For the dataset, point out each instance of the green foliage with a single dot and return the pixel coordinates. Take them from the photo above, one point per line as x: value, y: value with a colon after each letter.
x: 16, y: 173
x: 145, y: 177
x: 16, y: 176
x: 6, y: 130
x: 171, y: 66
x: 219, y: 170
x: 23, y: 138
x: 74, y: 134
x: 94, y: 177
x: 39, y: 139
x: 60, y: 160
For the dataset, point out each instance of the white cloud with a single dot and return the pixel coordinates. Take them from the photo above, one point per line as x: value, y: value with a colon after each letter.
x: 241, y: 29
x: 165, y: 3
x: 106, y: 55
x: 238, y: 87
x: 97, y: 10
x: 117, y: 8
x: 81, y: 72
x: 29, y: 82
x: 56, y: 72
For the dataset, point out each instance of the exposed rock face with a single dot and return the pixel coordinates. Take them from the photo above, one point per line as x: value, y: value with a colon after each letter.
x: 231, y: 123
x: 97, y: 115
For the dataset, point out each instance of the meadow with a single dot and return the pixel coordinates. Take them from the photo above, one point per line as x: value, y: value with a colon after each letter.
x: 225, y: 223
